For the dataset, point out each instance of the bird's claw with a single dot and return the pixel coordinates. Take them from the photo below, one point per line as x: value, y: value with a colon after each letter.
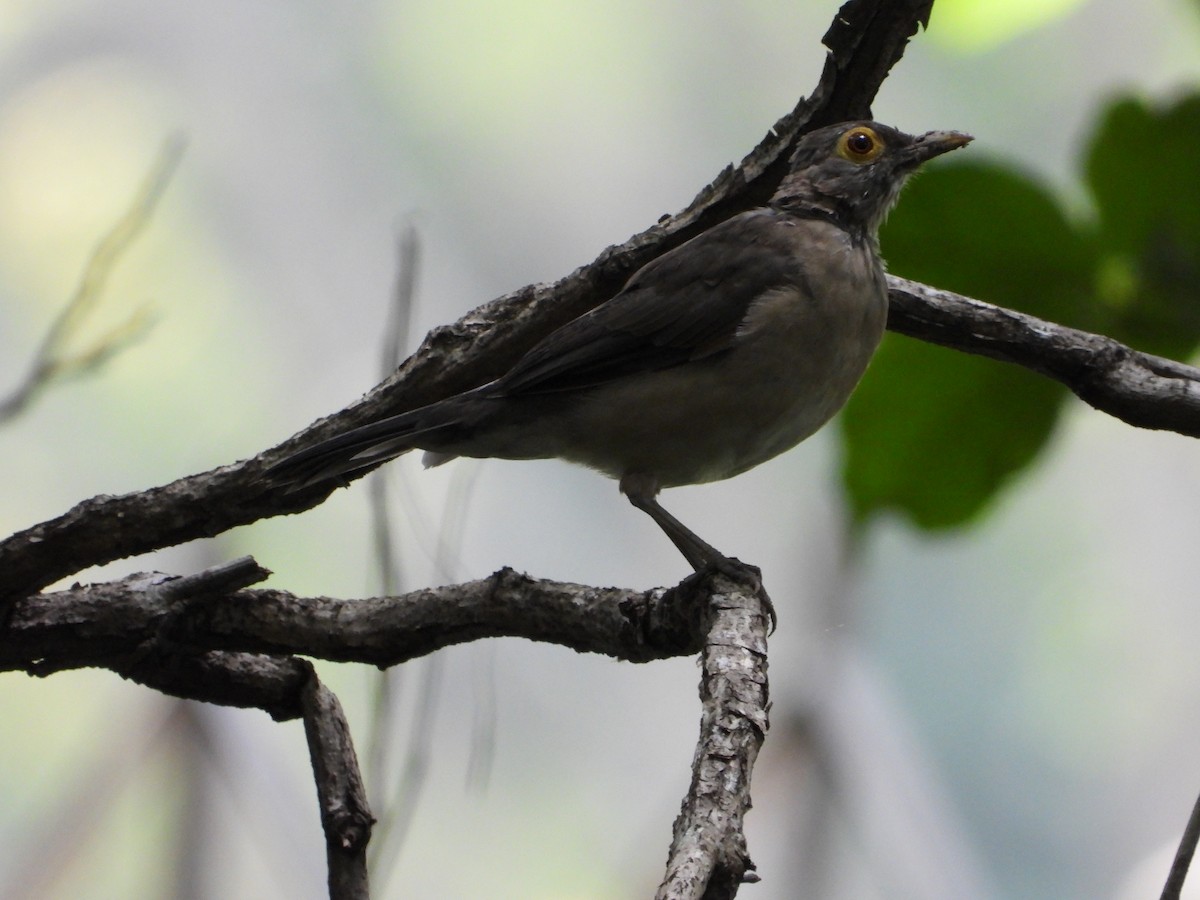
x: 745, y: 574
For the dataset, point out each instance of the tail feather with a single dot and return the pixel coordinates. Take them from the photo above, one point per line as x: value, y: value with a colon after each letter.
x: 355, y: 450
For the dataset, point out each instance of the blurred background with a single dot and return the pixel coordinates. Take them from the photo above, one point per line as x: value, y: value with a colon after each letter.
x: 996, y: 699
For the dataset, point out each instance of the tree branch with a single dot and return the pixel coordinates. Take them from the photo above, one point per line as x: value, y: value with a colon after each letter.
x: 345, y: 815
x: 708, y: 856
x: 1138, y: 388
x: 138, y: 627
x: 204, y: 637
x: 1173, y: 889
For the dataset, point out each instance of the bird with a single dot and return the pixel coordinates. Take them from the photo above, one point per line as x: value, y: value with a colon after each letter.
x: 716, y: 356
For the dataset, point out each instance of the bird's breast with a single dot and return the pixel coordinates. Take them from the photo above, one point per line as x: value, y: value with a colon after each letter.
x: 801, y: 349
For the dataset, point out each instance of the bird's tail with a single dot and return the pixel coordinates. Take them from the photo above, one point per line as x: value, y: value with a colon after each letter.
x: 366, y: 447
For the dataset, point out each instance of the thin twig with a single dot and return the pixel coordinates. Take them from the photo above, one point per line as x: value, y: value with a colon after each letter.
x: 382, y: 534
x: 396, y: 806
x: 223, y: 578
x: 1183, y: 856
x: 53, y: 360
x: 400, y: 811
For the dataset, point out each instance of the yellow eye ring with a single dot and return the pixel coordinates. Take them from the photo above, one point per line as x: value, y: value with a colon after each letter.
x: 859, y: 145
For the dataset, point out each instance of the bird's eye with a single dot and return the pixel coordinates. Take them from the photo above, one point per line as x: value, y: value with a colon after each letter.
x: 860, y: 145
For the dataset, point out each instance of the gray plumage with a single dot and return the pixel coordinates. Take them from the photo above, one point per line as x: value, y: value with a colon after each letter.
x: 713, y: 358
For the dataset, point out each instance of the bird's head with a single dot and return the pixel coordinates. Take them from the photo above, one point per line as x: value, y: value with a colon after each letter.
x: 853, y: 172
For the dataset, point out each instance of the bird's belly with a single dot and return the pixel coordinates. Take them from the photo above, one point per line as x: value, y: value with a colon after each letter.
x: 715, y: 418
x: 681, y: 439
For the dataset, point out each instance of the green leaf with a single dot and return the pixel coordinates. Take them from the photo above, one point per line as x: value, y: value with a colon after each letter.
x: 935, y: 433
x: 996, y: 235
x: 1142, y: 170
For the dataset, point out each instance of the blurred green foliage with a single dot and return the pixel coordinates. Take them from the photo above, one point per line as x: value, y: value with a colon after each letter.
x: 1143, y: 169
x: 935, y: 434
x: 974, y: 25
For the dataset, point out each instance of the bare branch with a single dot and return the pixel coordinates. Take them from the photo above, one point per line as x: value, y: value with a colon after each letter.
x: 1173, y: 889
x: 54, y: 360
x: 214, y: 581
x: 1138, y: 388
x: 137, y: 628
x: 345, y: 815
x: 150, y: 608
x: 708, y: 856
x: 203, y: 638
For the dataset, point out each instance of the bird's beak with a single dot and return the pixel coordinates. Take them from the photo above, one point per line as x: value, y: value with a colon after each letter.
x: 934, y: 143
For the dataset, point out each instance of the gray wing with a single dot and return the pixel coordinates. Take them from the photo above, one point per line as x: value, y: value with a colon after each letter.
x: 685, y: 305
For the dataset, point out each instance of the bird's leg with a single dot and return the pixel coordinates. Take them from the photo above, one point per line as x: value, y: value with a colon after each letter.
x: 699, y: 553
x: 642, y: 492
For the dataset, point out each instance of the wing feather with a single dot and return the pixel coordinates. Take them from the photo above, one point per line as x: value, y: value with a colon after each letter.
x: 685, y: 305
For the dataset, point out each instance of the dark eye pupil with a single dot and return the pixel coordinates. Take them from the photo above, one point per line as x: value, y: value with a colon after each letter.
x: 860, y: 143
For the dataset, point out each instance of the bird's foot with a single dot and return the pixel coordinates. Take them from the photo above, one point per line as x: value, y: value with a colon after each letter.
x: 744, y: 574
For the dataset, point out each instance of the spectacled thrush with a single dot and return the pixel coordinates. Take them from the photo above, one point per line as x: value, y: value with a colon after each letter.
x: 714, y: 357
